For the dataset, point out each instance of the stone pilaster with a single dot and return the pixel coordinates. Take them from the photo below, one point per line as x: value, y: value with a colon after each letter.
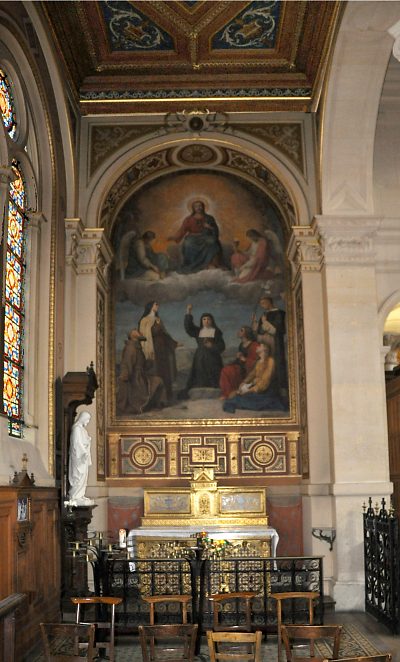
x: 305, y: 254
x: 88, y: 256
x: 357, y: 425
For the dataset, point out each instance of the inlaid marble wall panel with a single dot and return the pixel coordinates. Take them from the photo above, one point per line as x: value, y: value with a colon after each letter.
x: 231, y: 455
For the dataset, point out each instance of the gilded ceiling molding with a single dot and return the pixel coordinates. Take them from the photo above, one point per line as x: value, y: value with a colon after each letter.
x: 194, y: 94
x: 264, y: 51
x: 184, y: 25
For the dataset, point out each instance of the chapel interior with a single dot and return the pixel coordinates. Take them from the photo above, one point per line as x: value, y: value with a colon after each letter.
x: 198, y: 168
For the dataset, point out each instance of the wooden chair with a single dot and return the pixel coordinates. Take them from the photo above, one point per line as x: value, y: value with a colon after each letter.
x: 309, y: 633
x: 154, y: 600
x: 308, y: 596
x: 98, y: 602
x: 232, y: 646
x: 168, y: 643
x: 221, y: 601
x: 381, y: 657
x: 62, y: 641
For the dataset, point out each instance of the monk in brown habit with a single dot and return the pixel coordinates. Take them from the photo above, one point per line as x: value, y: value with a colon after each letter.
x: 137, y: 391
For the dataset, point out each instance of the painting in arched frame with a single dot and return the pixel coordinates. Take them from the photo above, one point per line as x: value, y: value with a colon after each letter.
x: 192, y: 245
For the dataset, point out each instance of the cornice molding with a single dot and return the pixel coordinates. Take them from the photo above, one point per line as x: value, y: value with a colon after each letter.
x: 347, y: 240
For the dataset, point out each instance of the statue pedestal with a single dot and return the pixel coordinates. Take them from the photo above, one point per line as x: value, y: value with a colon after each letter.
x: 75, y: 522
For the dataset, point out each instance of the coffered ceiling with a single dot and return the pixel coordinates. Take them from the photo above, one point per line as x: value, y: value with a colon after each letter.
x: 126, y: 56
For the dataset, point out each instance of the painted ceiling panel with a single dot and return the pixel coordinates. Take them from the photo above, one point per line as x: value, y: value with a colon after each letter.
x: 129, y: 29
x: 255, y: 27
x: 122, y: 55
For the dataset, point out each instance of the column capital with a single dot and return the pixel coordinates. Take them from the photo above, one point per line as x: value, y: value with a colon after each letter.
x: 304, y: 250
x: 88, y: 249
x: 347, y: 240
x: 73, y: 233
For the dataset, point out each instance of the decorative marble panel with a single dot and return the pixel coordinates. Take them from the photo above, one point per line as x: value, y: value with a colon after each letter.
x: 152, y: 456
x: 143, y: 456
x: 262, y: 454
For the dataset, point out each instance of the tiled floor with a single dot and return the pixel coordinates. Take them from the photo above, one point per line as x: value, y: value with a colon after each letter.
x: 377, y: 633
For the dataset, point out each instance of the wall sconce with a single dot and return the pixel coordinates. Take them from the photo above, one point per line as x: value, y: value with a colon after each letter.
x: 326, y: 533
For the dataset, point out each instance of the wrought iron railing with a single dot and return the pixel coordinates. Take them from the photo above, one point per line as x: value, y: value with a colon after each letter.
x: 382, y: 564
x: 133, y: 579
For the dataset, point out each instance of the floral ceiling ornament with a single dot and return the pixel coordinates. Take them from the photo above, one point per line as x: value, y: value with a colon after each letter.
x: 195, y: 121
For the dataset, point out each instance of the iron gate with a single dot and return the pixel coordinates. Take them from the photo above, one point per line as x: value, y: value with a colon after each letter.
x: 382, y: 563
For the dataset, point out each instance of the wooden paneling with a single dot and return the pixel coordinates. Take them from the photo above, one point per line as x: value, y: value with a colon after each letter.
x: 6, y: 537
x: 30, y: 561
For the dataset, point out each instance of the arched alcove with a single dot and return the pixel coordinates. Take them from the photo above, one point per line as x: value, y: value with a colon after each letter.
x: 159, y: 178
x: 137, y: 162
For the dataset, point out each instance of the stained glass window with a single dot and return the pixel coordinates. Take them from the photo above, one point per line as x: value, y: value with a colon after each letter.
x: 7, y: 106
x: 13, y: 299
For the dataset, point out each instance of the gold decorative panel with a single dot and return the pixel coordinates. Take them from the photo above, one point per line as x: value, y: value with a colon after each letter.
x: 205, y: 504
x: 205, y: 451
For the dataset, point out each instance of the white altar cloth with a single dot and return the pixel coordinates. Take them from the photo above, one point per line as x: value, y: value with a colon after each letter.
x: 215, y: 532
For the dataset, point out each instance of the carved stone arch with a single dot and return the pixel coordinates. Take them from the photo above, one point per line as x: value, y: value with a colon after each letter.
x: 109, y: 189
x: 32, y: 95
x: 387, y: 306
x: 358, y: 69
x: 63, y: 141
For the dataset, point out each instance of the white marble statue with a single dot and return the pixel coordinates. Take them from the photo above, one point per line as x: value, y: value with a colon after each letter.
x: 79, y: 461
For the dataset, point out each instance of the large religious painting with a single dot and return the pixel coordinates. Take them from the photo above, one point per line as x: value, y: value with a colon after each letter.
x: 200, y: 312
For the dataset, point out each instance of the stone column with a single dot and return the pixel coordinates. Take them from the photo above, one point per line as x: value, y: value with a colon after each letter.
x: 88, y: 256
x: 306, y: 258
x: 357, y: 416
